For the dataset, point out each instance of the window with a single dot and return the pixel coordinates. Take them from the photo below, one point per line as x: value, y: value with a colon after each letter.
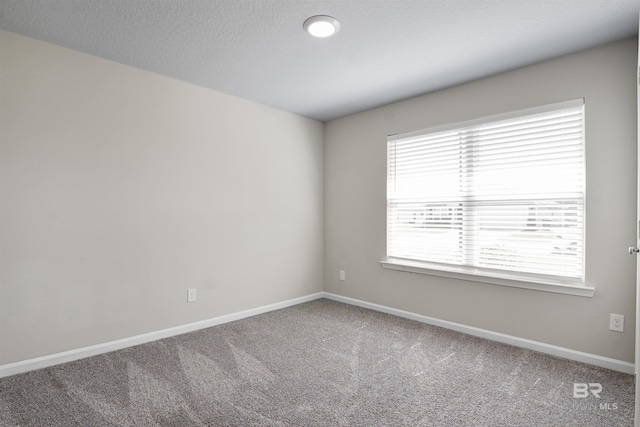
x: 502, y: 196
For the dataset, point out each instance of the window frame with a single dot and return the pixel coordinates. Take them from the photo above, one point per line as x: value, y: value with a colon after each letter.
x: 540, y: 282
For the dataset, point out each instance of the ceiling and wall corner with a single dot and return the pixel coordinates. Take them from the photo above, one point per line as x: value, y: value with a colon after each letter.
x: 385, y: 51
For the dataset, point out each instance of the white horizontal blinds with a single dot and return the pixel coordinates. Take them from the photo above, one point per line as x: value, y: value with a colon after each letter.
x: 507, y: 194
x: 424, y: 195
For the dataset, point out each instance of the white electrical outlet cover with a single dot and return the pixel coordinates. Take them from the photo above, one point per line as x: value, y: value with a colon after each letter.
x: 616, y: 322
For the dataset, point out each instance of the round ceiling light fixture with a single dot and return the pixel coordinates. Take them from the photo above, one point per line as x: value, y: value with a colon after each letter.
x: 321, y: 26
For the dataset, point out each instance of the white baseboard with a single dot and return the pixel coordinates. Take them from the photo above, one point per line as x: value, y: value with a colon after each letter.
x: 579, y: 356
x: 81, y: 353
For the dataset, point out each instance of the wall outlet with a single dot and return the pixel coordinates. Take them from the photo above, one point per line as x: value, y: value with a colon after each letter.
x: 191, y: 295
x: 343, y: 276
x: 616, y: 322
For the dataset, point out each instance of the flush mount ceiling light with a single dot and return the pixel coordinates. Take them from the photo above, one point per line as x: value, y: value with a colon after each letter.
x: 321, y: 26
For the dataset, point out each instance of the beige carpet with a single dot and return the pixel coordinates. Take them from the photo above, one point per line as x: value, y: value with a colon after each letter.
x: 317, y: 364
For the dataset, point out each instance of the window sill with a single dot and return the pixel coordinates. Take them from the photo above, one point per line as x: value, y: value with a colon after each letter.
x: 475, y: 275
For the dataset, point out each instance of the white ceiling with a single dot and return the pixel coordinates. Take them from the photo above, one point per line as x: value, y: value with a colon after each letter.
x: 386, y: 50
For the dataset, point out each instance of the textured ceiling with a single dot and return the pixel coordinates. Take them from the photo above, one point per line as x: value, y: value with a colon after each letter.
x: 386, y: 50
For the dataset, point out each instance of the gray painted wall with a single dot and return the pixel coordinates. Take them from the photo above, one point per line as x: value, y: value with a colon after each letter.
x: 120, y: 189
x: 355, y: 205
